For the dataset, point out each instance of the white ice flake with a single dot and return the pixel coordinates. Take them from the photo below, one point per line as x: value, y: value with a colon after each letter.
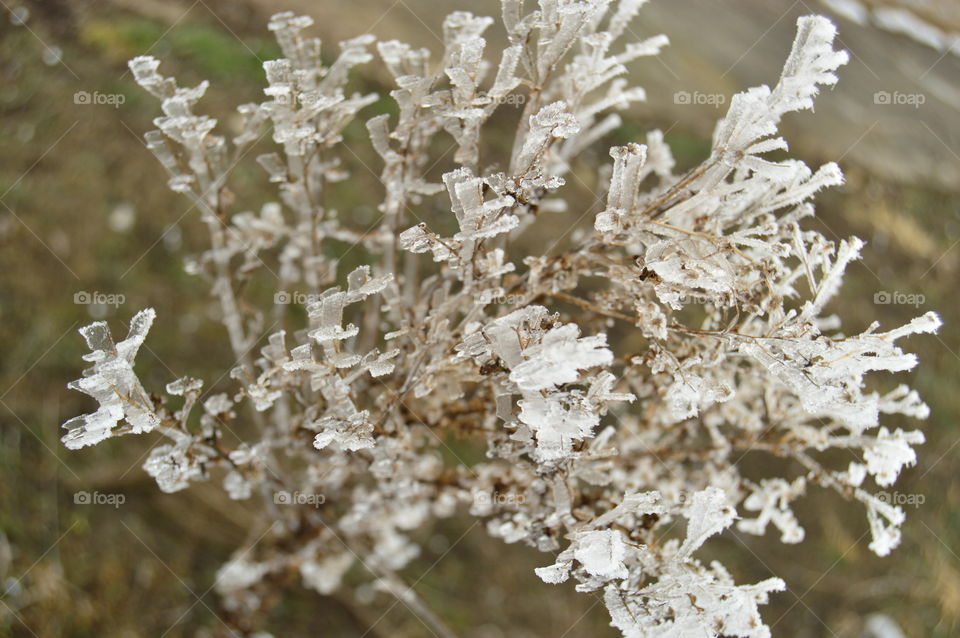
x: 113, y: 383
x: 601, y: 552
x: 889, y: 452
x: 558, y: 358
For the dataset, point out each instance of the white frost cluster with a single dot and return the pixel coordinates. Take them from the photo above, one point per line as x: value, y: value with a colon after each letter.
x: 114, y: 384
x: 609, y: 406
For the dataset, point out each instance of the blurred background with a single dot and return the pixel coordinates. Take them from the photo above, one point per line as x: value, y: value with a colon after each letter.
x: 89, y: 231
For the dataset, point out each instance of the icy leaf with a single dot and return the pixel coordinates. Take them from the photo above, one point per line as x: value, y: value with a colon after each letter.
x: 113, y: 383
x: 554, y: 574
x: 558, y: 358
x: 601, y: 552
x: 888, y: 453
x: 707, y: 514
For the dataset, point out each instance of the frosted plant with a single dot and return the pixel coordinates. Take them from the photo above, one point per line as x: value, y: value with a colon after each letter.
x: 596, y: 445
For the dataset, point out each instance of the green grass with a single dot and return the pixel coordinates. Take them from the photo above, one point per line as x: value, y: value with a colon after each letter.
x: 208, y: 49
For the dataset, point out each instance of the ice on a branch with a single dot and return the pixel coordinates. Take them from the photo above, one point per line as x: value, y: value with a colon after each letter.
x: 113, y: 383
